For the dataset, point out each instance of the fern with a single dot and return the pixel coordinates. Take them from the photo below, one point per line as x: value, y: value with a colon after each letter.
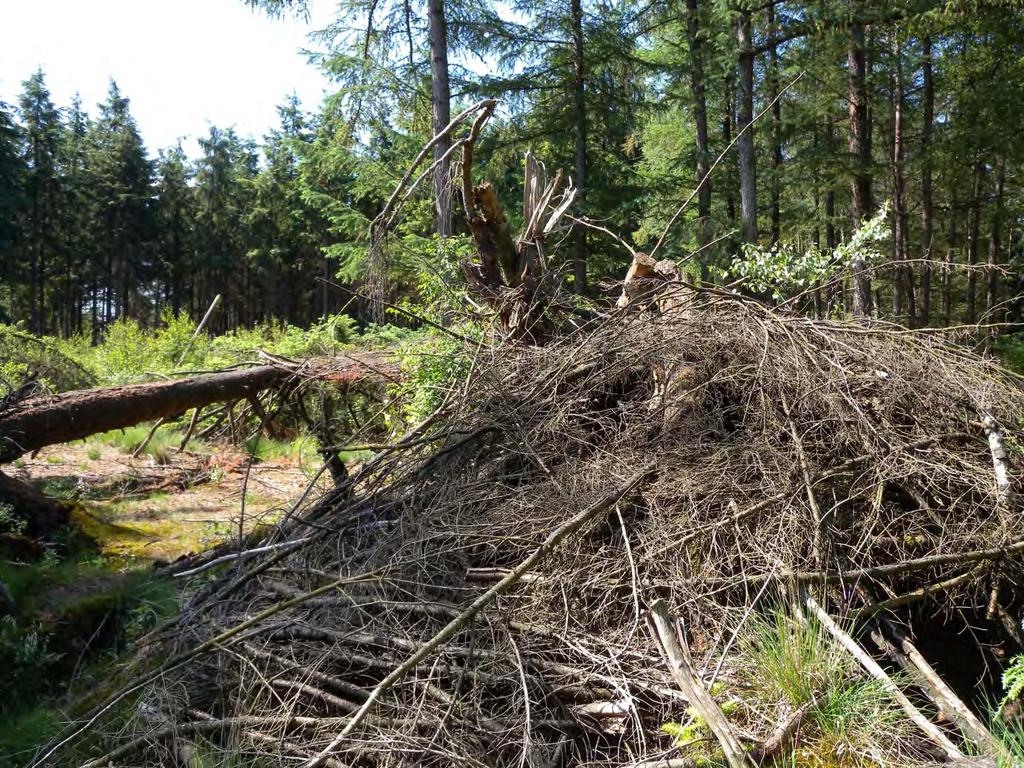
x: 1013, y: 679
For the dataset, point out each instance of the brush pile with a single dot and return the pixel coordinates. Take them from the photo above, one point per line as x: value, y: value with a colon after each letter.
x: 720, y: 456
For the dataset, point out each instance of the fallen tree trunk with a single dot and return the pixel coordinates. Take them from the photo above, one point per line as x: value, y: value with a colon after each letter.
x: 42, y: 421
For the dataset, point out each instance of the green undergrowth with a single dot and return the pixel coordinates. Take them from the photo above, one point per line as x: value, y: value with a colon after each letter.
x: 77, y: 615
x: 783, y: 662
x: 130, y: 352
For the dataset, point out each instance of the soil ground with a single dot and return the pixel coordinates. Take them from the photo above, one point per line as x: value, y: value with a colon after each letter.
x: 139, y: 508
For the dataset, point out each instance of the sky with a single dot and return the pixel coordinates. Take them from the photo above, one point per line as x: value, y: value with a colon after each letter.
x: 184, y: 64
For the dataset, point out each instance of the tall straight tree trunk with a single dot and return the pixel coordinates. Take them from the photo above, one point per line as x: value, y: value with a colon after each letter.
x: 700, y: 118
x: 440, y: 112
x: 947, y: 271
x: 776, y: 136
x: 995, y: 245
x: 745, y: 144
x: 973, y: 233
x: 903, y: 288
x: 727, y: 118
x: 928, y: 116
x: 579, y: 246
x: 860, y: 150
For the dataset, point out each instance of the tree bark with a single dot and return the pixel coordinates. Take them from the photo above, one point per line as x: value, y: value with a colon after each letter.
x: 860, y: 150
x: 973, y: 234
x: 441, y: 113
x: 727, y: 121
x: 995, y: 245
x: 903, y: 284
x: 42, y: 421
x: 928, y: 117
x: 700, y: 118
x: 947, y: 271
x: 745, y: 143
x: 579, y: 142
x: 776, y: 133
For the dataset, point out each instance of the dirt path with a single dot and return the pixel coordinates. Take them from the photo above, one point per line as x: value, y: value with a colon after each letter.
x: 138, y: 508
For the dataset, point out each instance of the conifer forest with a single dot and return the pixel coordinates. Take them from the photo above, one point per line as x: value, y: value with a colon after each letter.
x: 619, y: 383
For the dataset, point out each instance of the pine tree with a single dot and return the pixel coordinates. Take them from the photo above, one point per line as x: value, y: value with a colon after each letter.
x: 122, y: 177
x: 12, y: 202
x: 42, y: 190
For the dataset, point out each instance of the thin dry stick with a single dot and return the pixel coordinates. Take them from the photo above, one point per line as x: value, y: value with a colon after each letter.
x: 871, y: 666
x: 553, y: 539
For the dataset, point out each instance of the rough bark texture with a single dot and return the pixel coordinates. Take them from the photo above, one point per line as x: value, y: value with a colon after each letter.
x: 773, y: 92
x: 43, y: 421
x: 860, y: 151
x: 903, y: 299
x: 441, y: 112
x: 579, y: 142
x: 745, y: 144
x: 973, y: 234
x: 928, y: 109
x: 995, y: 246
x: 700, y: 119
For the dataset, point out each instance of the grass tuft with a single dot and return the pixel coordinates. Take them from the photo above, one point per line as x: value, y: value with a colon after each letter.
x: 789, y: 662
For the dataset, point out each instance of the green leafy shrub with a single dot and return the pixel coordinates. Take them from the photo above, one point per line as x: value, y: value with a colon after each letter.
x: 1013, y: 679
x: 26, y: 661
x: 786, y: 268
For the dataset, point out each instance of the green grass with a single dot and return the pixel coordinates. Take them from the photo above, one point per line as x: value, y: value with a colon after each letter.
x: 161, y: 447
x: 94, y: 454
x: 790, y: 661
x: 76, y: 617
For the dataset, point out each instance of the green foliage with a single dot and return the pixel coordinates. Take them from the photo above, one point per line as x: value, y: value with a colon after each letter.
x: 794, y: 660
x: 10, y: 522
x: 26, y: 661
x: 1013, y: 679
x: 784, y: 268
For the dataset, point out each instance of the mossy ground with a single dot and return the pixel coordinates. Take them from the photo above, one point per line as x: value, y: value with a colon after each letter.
x: 84, y: 599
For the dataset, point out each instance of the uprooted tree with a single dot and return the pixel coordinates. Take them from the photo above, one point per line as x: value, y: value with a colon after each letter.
x: 478, y: 594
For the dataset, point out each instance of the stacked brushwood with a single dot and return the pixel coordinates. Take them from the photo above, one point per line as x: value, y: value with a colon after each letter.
x: 476, y: 594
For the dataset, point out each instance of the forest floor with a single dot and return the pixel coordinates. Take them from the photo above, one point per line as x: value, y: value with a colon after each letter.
x: 159, y: 508
x: 81, y: 604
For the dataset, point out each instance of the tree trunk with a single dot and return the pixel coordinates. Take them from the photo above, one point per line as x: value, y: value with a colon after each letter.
x: 42, y: 515
x: 700, y: 117
x: 928, y: 109
x: 579, y: 246
x: 995, y: 246
x: 860, y: 150
x: 973, y: 234
x: 947, y: 271
x: 745, y: 144
x: 42, y: 421
x: 776, y: 133
x: 903, y: 287
x: 441, y: 113
x: 727, y: 119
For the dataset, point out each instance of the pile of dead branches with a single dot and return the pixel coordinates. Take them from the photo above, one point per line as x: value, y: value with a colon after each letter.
x: 477, y: 593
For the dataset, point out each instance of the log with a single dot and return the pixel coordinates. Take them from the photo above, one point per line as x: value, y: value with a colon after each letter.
x: 694, y: 690
x: 43, y: 421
